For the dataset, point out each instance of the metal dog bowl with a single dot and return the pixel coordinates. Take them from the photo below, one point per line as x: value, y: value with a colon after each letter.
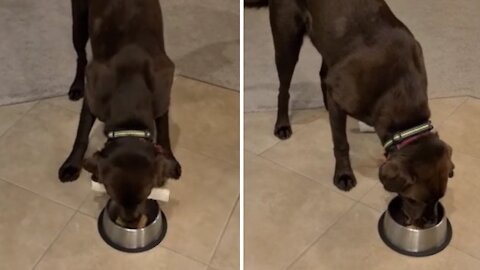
x: 133, y: 240
x: 414, y: 241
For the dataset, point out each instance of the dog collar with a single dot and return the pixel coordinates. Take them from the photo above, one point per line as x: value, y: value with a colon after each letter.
x: 405, y: 137
x: 142, y: 134
x: 145, y: 134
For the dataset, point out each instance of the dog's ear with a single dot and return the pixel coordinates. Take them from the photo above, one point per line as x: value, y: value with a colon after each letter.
x: 451, y: 164
x: 395, y: 176
x: 91, y: 165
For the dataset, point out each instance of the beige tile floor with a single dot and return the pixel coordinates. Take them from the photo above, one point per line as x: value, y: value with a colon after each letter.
x: 45, y: 224
x: 296, y: 219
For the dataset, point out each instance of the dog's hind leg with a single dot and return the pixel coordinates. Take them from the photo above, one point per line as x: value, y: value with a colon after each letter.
x: 343, y: 178
x: 80, y: 39
x: 323, y: 75
x: 288, y: 30
x: 70, y: 169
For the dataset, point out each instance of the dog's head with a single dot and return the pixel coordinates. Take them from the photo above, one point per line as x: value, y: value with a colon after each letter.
x: 129, y: 168
x: 419, y: 173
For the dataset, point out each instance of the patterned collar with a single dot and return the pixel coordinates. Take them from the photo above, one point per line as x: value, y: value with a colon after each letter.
x: 403, y: 138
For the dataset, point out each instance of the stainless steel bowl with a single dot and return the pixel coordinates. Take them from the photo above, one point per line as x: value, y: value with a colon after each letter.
x: 132, y: 240
x: 414, y: 241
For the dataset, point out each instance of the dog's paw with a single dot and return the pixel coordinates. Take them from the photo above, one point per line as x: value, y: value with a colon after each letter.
x: 345, y: 181
x: 174, y: 169
x: 76, y: 91
x: 70, y: 171
x: 283, y: 132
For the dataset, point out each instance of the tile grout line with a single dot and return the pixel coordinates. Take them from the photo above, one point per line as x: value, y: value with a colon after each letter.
x: 174, y: 147
x: 368, y: 192
x: 184, y: 255
x: 85, y: 200
x: 61, y: 107
x: 464, y: 252
x: 452, y: 97
x: 177, y: 146
x: 451, y: 114
x: 225, y: 88
x: 270, y: 147
x: 368, y: 206
x: 323, y: 106
x: 302, y: 127
x: 77, y: 212
x: 453, y: 111
x: 357, y: 202
x: 39, y: 99
x: 159, y: 246
x: 201, y: 153
x: 222, y: 234
x: 320, y: 237
x: 54, y: 241
x: 37, y: 194
x: 4, y: 133
x: 328, y: 187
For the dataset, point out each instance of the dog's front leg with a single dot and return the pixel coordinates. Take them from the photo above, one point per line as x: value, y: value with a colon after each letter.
x: 70, y: 170
x: 80, y: 39
x: 163, y: 139
x: 343, y: 178
x: 288, y: 33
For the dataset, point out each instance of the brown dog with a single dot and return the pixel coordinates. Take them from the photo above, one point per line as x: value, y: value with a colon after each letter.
x: 128, y: 88
x: 372, y: 70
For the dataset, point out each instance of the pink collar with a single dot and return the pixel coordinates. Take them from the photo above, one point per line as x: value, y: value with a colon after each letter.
x: 409, y: 141
x: 412, y: 139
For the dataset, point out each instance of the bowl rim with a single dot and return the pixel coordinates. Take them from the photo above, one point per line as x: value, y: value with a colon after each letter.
x: 116, y: 246
x: 425, y: 253
x: 440, y: 223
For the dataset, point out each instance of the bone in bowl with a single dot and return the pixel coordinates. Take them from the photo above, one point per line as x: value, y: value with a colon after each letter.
x: 414, y: 241
x: 132, y: 240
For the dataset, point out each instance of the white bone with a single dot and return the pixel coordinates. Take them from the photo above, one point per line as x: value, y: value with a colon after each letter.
x: 158, y: 194
x: 365, y: 128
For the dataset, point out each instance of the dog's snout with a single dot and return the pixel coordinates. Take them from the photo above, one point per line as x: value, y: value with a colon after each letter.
x: 129, y: 214
x: 420, y: 214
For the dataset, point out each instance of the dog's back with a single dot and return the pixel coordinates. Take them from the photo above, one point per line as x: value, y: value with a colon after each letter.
x: 128, y: 53
x: 338, y: 27
x: 114, y: 24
